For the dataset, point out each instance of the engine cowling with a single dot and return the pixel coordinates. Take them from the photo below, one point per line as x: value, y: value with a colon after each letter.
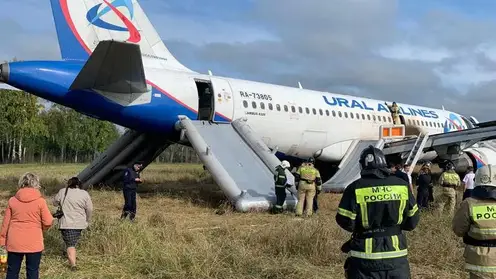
x: 475, y: 157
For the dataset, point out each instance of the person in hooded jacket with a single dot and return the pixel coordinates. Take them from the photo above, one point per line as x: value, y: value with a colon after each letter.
x: 376, y: 208
x: 26, y: 216
x: 475, y: 221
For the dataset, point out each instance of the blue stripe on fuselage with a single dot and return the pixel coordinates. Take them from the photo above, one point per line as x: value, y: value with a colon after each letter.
x: 51, y: 79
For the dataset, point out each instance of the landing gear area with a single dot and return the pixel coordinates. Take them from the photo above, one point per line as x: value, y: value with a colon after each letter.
x: 205, y: 100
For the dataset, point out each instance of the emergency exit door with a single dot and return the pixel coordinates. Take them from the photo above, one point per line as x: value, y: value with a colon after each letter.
x: 223, y: 100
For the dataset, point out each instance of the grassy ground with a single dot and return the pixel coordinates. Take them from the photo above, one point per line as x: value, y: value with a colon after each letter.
x: 179, y: 235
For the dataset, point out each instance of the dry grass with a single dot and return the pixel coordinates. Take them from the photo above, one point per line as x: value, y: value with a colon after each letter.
x: 179, y: 235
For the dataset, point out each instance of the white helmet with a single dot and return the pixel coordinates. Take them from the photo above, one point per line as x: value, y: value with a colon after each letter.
x: 485, y: 176
x: 285, y: 164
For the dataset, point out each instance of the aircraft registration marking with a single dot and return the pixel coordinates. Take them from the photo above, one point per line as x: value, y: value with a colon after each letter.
x: 254, y: 95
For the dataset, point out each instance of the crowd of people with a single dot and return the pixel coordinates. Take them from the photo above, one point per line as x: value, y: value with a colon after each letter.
x: 375, y: 208
x: 380, y: 205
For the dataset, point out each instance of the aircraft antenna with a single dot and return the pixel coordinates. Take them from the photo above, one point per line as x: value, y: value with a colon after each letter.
x: 299, y: 84
x: 442, y: 107
x: 209, y: 72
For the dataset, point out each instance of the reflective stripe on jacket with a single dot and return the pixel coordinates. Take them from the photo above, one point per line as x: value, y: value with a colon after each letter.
x: 376, y: 210
x: 475, y: 221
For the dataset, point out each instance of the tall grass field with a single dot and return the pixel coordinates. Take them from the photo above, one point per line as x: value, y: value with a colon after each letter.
x: 185, y: 228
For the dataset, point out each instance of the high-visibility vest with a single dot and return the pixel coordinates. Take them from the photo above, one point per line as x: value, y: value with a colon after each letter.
x: 481, y: 237
x: 308, y: 173
x: 280, y: 178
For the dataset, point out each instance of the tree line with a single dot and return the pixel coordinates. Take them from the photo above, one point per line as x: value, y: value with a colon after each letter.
x: 34, y: 130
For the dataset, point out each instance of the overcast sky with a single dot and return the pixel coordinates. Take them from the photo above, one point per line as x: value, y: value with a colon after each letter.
x: 425, y: 52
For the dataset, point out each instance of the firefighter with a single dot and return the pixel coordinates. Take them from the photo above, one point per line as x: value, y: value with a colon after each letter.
x: 376, y: 208
x: 449, y: 181
x: 475, y: 221
x: 395, y: 113
x: 281, y: 183
x: 309, y: 183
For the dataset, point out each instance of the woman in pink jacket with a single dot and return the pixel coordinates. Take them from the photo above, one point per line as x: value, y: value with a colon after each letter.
x: 26, y: 216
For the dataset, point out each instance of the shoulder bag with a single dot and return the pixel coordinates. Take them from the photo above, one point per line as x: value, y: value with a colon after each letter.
x: 59, y: 213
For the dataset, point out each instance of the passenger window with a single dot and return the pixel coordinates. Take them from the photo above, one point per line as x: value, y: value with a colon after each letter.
x: 285, y: 108
x: 307, y: 110
x: 363, y: 116
x: 314, y: 111
x: 390, y: 120
x: 293, y: 109
x: 262, y: 105
x: 334, y: 113
x: 300, y: 110
x: 351, y: 115
x: 320, y: 112
x: 368, y: 116
x: 384, y: 118
x: 245, y: 103
x: 254, y: 105
x: 345, y: 114
x: 270, y: 106
x: 327, y: 112
x: 357, y: 115
x: 373, y: 117
x: 278, y: 107
x: 339, y: 113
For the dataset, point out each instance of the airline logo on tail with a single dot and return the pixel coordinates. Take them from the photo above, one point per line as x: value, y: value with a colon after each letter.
x: 94, y: 16
x: 455, y: 122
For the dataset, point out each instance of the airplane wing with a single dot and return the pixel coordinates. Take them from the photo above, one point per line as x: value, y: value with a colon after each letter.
x: 454, y: 142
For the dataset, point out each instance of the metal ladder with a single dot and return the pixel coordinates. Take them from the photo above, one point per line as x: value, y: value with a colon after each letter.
x: 416, y: 151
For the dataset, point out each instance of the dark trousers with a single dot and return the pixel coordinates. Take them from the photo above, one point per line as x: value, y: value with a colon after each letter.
x: 354, y: 270
x: 280, y: 198
x: 129, y: 203
x: 14, y: 261
x: 431, y: 194
x: 423, y: 197
x: 467, y: 193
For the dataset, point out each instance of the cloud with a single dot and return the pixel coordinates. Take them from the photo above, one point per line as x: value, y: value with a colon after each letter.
x: 365, y: 48
x: 405, y: 51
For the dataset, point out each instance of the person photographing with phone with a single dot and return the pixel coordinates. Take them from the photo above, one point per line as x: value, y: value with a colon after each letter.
x: 131, y: 181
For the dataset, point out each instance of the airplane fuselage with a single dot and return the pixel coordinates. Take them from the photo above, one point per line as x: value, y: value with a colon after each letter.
x: 298, y: 122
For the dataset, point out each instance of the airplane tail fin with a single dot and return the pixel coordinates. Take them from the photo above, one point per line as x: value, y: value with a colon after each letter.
x: 82, y: 24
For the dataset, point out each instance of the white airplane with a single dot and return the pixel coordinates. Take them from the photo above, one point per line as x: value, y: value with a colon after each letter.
x: 116, y: 67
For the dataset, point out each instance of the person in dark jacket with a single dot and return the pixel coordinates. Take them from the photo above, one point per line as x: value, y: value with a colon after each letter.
x: 376, y: 208
x: 401, y: 174
x: 131, y: 181
x: 424, y: 182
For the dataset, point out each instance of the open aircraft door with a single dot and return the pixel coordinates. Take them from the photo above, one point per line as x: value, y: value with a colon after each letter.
x: 223, y: 100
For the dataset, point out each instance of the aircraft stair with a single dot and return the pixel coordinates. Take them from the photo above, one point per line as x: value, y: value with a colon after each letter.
x: 131, y: 147
x: 239, y: 161
x: 349, y: 168
x: 416, y: 151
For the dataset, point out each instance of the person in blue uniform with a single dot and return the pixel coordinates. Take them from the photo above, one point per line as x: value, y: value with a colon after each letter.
x: 131, y: 181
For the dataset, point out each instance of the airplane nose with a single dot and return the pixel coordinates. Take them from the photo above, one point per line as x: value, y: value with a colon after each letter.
x: 4, y: 72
